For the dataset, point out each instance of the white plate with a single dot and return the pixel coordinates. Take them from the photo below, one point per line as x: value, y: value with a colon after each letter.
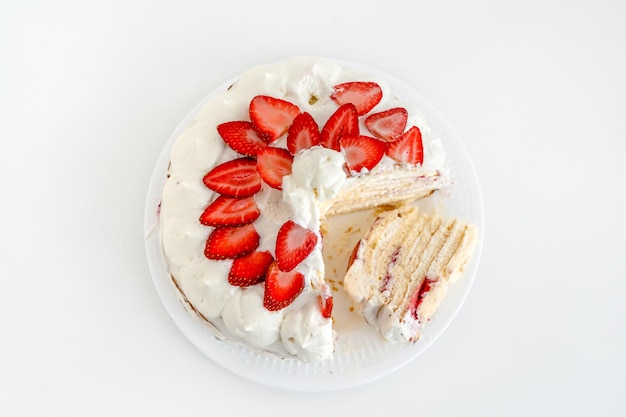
x: 360, y: 355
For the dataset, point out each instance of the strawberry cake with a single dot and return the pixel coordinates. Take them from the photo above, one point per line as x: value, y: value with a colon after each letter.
x: 253, y: 179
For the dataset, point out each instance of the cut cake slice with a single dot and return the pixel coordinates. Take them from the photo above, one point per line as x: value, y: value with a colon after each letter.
x: 402, y: 269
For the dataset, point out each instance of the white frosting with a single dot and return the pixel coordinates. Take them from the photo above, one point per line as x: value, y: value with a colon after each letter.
x: 317, y: 174
x: 275, y: 212
x: 393, y: 329
x: 245, y: 316
x: 206, y: 287
x: 306, y: 334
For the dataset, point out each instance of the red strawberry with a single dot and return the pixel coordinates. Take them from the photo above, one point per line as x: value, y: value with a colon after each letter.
x: 408, y: 148
x: 236, y: 178
x: 387, y: 125
x: 362, y: 152
x: 303, y: 133
x: 241, y: 137
x: 418, y: 296
x: 231, y: 242
x: 281, y: 288
x: 352, y: 257
x: 326, y: 305
x: 293, y: 244
x: 250, y: 269
x: 230, y: 211
x: 271, y: 116
x: 364, y: 95
x: 273, y: 164
x: 344, y: 121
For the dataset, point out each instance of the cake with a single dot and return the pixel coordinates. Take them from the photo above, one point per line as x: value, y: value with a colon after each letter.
x: 252, y: 180
x: 401, y: 270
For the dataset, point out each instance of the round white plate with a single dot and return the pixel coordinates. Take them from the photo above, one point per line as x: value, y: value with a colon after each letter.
x: 361, y: 355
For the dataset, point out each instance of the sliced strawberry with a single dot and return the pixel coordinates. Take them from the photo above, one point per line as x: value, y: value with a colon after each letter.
x: 241, y: 137
x: 388, y: 125
x: 281, y: 288
x: 303, y: 133
x: 231, y: 242
x: 271, y: 116
x: 408, y: 148
x: 418, y: 296
x: 230, y: 211
x: 273, y: 164
x: 326, y: 305
x: 250, y: 269
x: 236, y: 178
x: 362, y: 152
x: 364, y: 95
x: 293, y: 244
x: 352, y: 257
x: 344, y: 121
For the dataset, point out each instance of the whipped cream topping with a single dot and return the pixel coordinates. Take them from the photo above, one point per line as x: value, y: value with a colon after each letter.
x: 245, y: 316
x: 304, y: 332
x: 317, y: 175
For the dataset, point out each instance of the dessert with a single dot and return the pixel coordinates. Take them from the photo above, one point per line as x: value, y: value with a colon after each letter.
x: 253, y: 178
x: 401, y: 270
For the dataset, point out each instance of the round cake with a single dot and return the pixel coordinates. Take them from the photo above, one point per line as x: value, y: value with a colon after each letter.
x: 253, y: 180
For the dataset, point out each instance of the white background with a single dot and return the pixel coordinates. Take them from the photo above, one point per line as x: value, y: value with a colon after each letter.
x: 90, y: 92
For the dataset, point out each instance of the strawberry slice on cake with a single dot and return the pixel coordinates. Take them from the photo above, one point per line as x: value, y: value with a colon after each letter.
x: 242, y: 137
x: 304, y: 133
x: 271, y: 117
x: 293, y: 244
x: 343, y: 122
x: 362, y: 152
x: 387, y: 125
x: 408, y: 148
x: 281, y: 287
x: 235, y: 178
x: 231, y: 242
x: 230, y: 211
x: 273, y: 164
x: 250, y: 269
x: 363, y: 95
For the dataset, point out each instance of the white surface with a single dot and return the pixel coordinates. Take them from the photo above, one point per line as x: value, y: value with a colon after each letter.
x: 361, y: 355
x: 90, y: 93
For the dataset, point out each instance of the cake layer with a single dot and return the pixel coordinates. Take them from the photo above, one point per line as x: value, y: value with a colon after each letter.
x: 403, y: 267
x: 387, y: 187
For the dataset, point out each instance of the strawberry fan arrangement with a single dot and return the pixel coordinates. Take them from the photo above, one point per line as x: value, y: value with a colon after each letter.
x: 233, y: 212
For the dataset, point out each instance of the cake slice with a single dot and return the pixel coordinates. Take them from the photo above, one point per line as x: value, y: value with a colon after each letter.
x: 401, y: 270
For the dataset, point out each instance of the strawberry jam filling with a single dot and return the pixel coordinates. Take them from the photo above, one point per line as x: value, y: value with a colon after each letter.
x: 385, y: 284
x: 418, y: 296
